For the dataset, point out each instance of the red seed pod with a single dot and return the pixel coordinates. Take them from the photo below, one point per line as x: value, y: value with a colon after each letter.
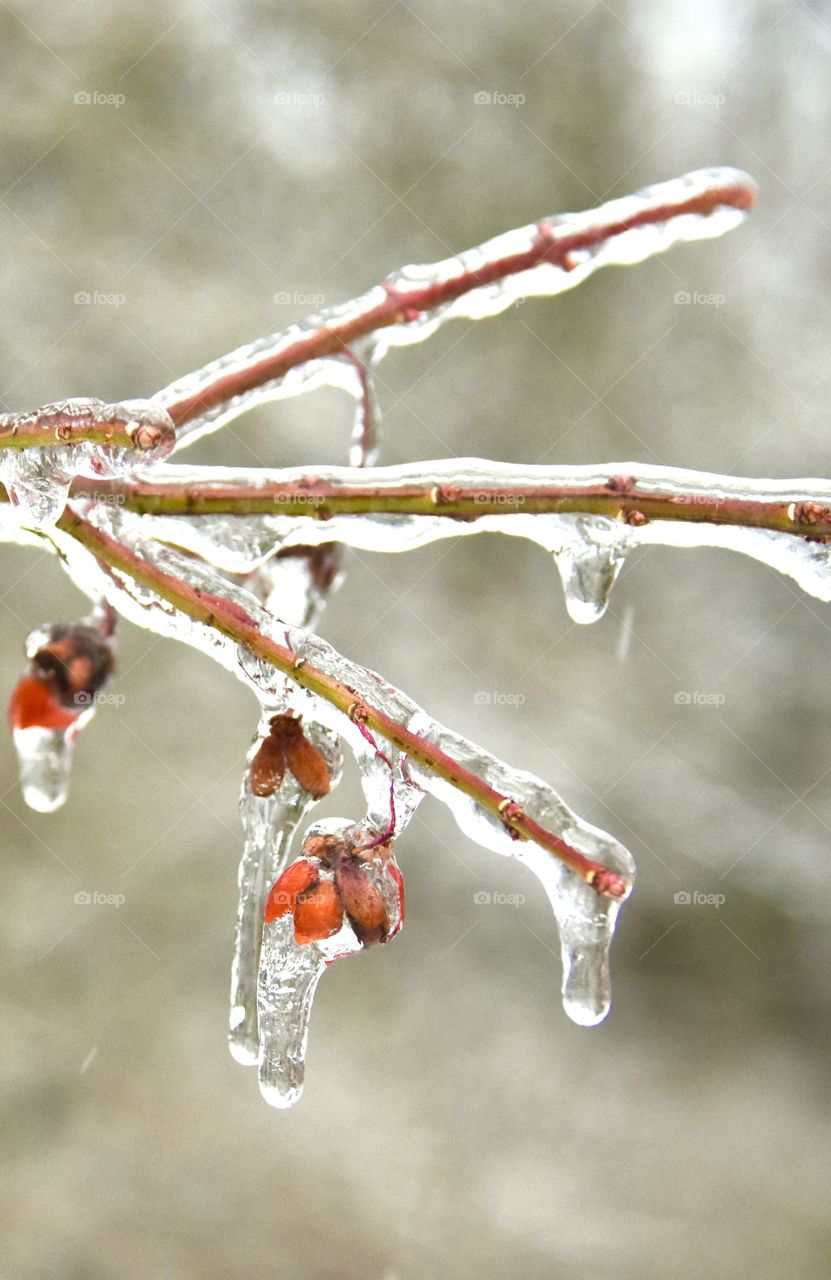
x: 296, y: 879
x: 33, y: 704
x: 362, y: 902
x: 318, y: 913
x: 287, y: 747
x: 268, y: 767
x: 305, y: 761
x: 334, y: 879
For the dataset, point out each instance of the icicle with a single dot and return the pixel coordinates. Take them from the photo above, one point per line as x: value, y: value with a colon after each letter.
x: 289, y: 975
x: 270, y: 822
x: 44, y: 759
x: 270, y: 825
x: 588, y: 565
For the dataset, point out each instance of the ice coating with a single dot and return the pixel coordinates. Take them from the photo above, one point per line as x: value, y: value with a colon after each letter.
x: 625, y: 243
x: 44, y: 759
x: 584, y: 918
x: 288, y: 979
x: 269, y: 824
x: 282, y: 593
x: 588, y: 549
x: 38, y: 478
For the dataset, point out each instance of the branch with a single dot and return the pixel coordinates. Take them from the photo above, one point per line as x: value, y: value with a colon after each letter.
x: 224, y: 615
x: 134, y: 424
x: 588, y: 517
x: 544, y: 258
x: 628, y: 492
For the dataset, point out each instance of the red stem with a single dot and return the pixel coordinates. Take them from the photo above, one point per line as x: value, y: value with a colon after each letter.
x: 336, y: 338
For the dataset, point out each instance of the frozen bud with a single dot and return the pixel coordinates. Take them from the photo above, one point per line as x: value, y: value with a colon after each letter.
x: 73, y: 661
x: 287, y: 747
x: 335, y: 882
x: 68, y: 665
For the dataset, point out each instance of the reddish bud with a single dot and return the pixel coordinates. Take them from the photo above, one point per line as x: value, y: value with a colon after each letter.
x: 362, y: 902
x: 318, y: 913
x: 268, y: 767
x: 75, y: 663
x: 32, y: 704
x: 308, y: 766
x: 287, y: 747
x: 296, y: 879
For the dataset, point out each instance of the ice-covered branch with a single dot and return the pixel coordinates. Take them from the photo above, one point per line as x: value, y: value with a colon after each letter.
x: 542, y: 259
x: 360, y: 696
x: 588, y: 517
x: 469, y: 489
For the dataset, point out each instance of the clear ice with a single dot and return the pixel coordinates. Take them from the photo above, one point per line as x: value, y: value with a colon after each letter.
x: 238, y: 559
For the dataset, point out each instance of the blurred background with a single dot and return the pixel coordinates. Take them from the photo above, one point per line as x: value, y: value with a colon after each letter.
x: 225, y: 163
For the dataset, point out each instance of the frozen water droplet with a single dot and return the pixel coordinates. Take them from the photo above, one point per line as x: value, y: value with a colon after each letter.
x: 586, y: 988
x: 588, y: 564
x: 45, y: 760
x: 289, y: 975
x: 37, y: 483
x: 586, y: 921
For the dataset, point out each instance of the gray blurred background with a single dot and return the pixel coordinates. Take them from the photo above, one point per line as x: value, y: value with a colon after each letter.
x: 454, y: 1122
